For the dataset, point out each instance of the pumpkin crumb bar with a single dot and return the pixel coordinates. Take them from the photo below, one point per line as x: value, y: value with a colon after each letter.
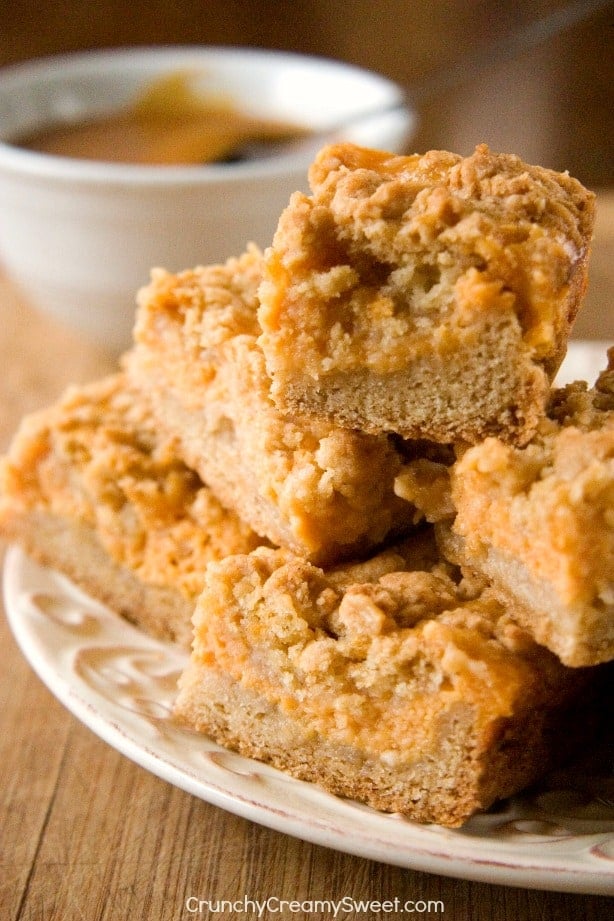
x: 311, y: 486
x: 428, y: 295
x: 538, y: 521
x: 91, y: 488
x: 395, y: 682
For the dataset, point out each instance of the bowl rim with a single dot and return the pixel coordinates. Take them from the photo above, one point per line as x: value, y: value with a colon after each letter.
x: 43, y: 165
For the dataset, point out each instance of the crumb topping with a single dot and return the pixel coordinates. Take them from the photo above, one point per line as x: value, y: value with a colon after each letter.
x: 364, y: 661
x: 390, y: 253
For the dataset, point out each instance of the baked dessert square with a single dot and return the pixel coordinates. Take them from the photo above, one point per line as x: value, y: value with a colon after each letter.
x: 538, y: 521
x: 322, y: 491
x: 428, y: 295
x: 394, y: 682
x: 90, y: 488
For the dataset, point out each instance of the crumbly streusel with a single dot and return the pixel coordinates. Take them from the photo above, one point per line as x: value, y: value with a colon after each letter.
x: 429, y: 295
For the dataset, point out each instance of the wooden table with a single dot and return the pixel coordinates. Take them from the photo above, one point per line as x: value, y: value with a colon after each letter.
x: 86, y: 834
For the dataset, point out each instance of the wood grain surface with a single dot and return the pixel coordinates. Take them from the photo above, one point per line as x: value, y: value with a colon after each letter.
x: 86, y: 834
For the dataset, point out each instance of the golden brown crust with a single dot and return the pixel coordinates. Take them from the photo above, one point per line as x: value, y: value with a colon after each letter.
x: 323, y: 491
x: 396, y: 685
x: 538, y: 521
x: 94, y: 472
x: 428, y: 295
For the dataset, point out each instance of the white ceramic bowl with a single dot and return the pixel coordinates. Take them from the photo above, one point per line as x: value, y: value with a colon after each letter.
x: 81, y: 236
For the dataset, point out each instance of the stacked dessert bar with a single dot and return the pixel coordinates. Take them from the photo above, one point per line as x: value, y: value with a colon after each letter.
x: 92, y: 488
x: 339, y: 469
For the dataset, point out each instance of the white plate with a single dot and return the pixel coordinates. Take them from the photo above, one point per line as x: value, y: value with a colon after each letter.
x: 121, y: 683
x: 583, y: 362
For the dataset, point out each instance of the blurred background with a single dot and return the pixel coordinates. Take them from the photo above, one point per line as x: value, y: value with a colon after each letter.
x: 532, y: 77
